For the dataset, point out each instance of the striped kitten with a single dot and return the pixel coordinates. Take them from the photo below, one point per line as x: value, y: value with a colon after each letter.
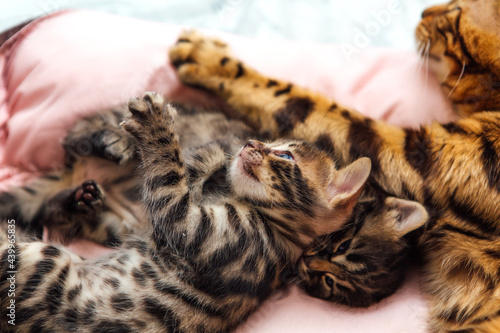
x: 367, y: 259
x: 204, y: 266
x: 97, y: 196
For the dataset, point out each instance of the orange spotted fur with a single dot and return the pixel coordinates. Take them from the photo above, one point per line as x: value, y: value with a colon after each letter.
x: 453, y: 169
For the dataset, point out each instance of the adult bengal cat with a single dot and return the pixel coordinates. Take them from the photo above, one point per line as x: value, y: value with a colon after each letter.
x: 453, y: 169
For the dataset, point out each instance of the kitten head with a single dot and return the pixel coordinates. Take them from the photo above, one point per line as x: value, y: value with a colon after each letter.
x: 292, y: 181
x: 460, y: 41
x: 367, y: 260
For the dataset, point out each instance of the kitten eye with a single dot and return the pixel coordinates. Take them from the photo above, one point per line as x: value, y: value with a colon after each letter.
x: 328, y: 281
x: 284, y: 155
x: 343, y: 247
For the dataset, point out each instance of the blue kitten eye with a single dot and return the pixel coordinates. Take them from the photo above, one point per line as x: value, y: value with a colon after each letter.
x: 328, y: 281
x: 344, y: 246
x: 285, y: 155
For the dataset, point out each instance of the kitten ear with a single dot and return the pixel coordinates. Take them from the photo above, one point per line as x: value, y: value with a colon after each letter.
x: 348, y: 182
x: 411, y: 215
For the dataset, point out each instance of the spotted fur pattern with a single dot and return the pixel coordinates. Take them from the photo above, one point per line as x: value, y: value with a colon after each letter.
x: 204, y: 266
x: 452, y: 169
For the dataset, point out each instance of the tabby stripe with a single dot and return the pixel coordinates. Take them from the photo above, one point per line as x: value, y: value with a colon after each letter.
x: 158, y: 203
x: 148, y: 271
x: 285, y: 230
x: 112, y: 327
x: 493, y: 254
x: 191, y: 300
x: 466, y: 213
x: 353, y: 257
x: 43, y: 267
x: 73, y: 293
x: 139, y: 278
x: 468, y: 233
x: 52, y: 177
x: 240, y: 71
x: 233, y: 217
x: 4, y: 264
x: 365, y: 142
x: 203, y: 231
x: 285, y: 90
x: 227, y: 254
x: 307, y: 197
x: 459, y: 315
x: 271, y: 83
x: 214, y: 285
x: 490, y: 162
x: 29, y: 190
x: 121, y: 302
x: 56, y: 290
x: 466, y: 269
x: 89, y: 312
x: 417, y: 150
x: 296, y: 110
x: 164, y: 315
x: 39, y: 326
x: 170, y: 179
x: 454, y: 128
x: 324, y: 143
x: 51, y: 251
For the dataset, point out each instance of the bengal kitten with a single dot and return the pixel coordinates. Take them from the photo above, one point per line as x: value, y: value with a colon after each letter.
x: 452, y: 169
x: 97, y: 196
x: 204, y: 267
x: 367, y: 260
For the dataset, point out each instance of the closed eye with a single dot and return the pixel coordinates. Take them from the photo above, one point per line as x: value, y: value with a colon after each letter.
x: 344, y: 247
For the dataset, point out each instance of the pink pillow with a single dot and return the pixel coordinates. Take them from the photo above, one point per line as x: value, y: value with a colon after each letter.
x: 74, y: 63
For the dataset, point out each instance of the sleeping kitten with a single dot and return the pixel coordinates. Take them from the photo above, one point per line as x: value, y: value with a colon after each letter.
x: 367, y: 259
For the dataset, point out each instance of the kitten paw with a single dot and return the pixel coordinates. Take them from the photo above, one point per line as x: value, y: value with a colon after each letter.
x: 201, y: 61
x: 118, y: 147
x: 87, y: 197
x: 151, y: 117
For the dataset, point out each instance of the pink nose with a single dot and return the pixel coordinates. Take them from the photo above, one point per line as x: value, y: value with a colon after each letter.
x: 255, y: 144
x: 251, y: 156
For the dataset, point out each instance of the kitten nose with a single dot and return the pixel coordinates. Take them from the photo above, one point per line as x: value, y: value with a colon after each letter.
x: 256, y: 144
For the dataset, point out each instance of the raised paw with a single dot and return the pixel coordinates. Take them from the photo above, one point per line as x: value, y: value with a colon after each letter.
x: 87, y: 197
x: 202, y: 61
x: 151, y: 115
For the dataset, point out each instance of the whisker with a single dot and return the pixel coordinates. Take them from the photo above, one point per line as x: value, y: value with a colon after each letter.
x: 427, y: 57
x: 459, y: 78
x: 422, y: 51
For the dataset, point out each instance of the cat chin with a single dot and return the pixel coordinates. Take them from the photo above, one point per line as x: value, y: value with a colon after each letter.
x: 245, y: 184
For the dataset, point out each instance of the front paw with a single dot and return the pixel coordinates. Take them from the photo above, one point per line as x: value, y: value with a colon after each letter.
x: 150, y: 117
x: 202, y: 61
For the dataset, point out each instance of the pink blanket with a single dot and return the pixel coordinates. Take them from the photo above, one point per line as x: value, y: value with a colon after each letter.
x: 71, y: 64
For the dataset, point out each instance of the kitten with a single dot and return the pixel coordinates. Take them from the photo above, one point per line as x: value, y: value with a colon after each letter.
x: 204, y: 267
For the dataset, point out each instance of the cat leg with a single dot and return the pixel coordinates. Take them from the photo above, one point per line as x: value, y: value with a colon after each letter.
x: 81, y: 212
x: 26, y: 205
x: 414, y: 164
x: 100, y: 135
